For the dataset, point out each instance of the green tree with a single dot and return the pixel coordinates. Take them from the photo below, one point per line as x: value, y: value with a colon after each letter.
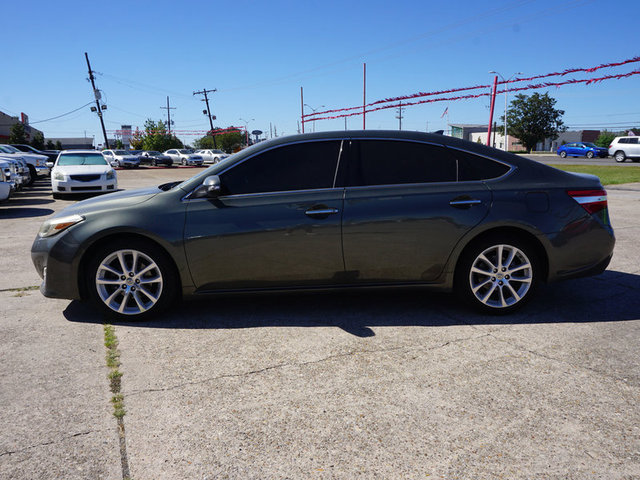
x: 155, y: 137
x: 228, y: 142
x: 533, y: 119
x: 58, y: 145
x: 50, y: 145
x: 605, y: 138
x: 38, y: 141
x: 119, y: 145
x: 17, y: 134
x: 137, y: 140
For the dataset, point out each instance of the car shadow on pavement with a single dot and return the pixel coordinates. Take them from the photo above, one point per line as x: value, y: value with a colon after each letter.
x: 20, y: 212
x: 609, y: 297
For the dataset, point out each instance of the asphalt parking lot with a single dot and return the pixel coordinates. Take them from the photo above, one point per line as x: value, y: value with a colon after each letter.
x: 389, y: 385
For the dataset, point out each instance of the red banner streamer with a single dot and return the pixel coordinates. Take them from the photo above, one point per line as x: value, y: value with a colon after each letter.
x: 587, y: 81
x: 311, y: 117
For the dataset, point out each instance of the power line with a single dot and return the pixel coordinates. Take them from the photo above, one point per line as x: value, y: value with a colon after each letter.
x: 64, y: 114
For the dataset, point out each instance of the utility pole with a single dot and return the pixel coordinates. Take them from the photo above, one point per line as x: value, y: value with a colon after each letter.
x: 204, y: 92
x: 399, y: 116
x: 168, y: 108
x: 96, y: 94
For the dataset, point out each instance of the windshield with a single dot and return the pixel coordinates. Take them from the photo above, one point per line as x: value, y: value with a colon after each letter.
x: 589, y: 144
x: 153, y: 153
x: 82, y: 159
x: 9, y: 149
x: 185, y: 151
x: 217, y: 151
x: 121, y: 152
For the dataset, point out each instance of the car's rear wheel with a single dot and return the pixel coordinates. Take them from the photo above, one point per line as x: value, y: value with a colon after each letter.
x: 563, y: 154
x: 184, y: 161
x: 131, y: 279
x: 589, y: 154
x: 33, y: 174
x: 498, y: 275
x: 154, y: 163
x: 620, y: 156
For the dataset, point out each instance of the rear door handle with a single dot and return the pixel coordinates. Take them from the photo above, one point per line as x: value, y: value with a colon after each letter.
x: 464, y: 202
x: 320, y: 211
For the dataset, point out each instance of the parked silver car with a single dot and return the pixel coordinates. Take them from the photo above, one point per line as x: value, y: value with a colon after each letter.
x: 121, y: 158
x: 184, y: 156
x: 625, y: 147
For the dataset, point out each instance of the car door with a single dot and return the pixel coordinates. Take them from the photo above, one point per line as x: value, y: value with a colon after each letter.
x: 633, y: 147
x: 405, y: 210
x: 275, y: 224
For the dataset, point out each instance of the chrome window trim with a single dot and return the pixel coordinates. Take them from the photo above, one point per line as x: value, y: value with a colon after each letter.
x: 266, y: 194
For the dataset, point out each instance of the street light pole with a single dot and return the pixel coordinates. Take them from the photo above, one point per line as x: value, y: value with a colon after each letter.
x: 506, y: 89
x: 246, y: 128
x: 314, y: 111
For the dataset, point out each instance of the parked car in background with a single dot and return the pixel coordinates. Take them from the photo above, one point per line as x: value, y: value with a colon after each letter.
x: 6, y: 172
x: 13, y: 171
x: 82, y: 171
x: 582, y: 149
x: 29, y: 149
x: 121, y: 158
x: 5, y: 184
x: 625, y: 147
x: 184, y: 156
x: 37, y: 164
x: 212, y: 155
x: 341, y: 209
x: 154, y: 158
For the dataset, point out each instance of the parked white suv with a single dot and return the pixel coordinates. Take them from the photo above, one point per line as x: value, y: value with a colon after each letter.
x: 625, y: 147
x: 82, y: 171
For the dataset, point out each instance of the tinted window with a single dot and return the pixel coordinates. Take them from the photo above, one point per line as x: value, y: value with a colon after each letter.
x: 623, y: 140
x: 633, y: 140
x: 81, y: 159
x: 392, y: 162
x: 473, y: 167
x: 301, y: 166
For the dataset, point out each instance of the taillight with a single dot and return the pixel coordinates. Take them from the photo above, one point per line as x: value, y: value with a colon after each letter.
x: 593, y: 201
x: 610, y: 145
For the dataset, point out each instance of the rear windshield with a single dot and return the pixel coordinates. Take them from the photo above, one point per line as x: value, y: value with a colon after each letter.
x: 82, y: 159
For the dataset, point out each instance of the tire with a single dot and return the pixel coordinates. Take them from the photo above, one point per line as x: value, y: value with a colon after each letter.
x: 131, y: 279
x: 154, y: 163
x: 184, y: 162
x: 563, y: 154
x: 33, y: 174
x: 498, y: 274
x: 56, y: 196
x: 589, y: 154
x: 117, y: 163
x: 620, y: 156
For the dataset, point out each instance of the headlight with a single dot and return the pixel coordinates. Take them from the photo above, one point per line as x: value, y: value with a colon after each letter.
x: 111, y: 175
x: 57, y: 225
x: 58, y: 176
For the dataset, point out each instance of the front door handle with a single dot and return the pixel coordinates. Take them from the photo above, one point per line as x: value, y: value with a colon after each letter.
x: 320, y: 211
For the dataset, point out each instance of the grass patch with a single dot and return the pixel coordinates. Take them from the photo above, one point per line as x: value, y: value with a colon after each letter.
x: 609, y: 174
x: 115, y: 376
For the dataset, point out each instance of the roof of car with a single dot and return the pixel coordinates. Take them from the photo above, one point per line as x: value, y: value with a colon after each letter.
x: 79, y: 151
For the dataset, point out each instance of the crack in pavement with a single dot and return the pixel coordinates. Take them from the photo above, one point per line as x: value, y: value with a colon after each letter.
x: 52, y: 442
x: 303, y: 364
x: 565, y: 362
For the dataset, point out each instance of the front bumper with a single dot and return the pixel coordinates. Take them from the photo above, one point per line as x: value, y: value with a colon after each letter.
x: 54, y: 261
x: 74, y: 186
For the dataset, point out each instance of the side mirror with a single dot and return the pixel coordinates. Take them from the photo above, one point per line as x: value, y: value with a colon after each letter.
x: 210, y: 188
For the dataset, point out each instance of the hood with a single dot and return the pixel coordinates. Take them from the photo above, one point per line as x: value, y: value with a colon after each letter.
x: 82, y: 169
x: 111, y: 201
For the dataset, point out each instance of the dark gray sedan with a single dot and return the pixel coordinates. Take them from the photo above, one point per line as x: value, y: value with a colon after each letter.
x: 333, y: 210
x: 154, y: 158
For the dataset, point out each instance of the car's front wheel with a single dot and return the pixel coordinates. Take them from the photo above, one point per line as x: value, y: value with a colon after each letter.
x: 563, y: 154
x: 589, y: 154
x: 131, y: 279
x: 620, y: 156
x: 497, y: 275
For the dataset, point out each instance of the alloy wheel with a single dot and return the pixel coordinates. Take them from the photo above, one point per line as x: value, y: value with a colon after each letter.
x: 501, y: 276
x: 129, y: 282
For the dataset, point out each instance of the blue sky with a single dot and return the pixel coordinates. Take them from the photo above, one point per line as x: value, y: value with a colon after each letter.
x: 258, y: 55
